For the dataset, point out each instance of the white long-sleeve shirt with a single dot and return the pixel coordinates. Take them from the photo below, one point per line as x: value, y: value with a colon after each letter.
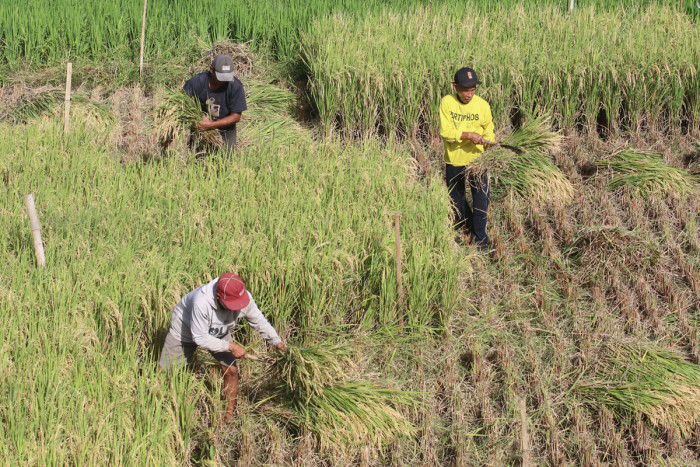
x: 198, y: 319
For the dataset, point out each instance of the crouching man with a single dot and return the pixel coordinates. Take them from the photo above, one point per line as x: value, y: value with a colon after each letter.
x: 204, y: 318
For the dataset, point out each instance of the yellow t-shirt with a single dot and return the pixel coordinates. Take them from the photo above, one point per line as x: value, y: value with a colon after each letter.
x: 455, y: 118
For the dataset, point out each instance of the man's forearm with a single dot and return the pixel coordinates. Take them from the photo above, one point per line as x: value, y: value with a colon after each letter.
x: 226, y: 121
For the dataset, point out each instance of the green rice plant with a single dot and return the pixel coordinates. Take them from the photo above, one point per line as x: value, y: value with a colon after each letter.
x: 317, y: 385
x: 526, y: 168
x: 177, y: 117
x: 316, y: 252
x: 647, y: 173
x: 39, y: 31
x: 636, y: 382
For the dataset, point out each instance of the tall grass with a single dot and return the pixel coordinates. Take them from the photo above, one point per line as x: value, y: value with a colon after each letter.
x: 387, y: 72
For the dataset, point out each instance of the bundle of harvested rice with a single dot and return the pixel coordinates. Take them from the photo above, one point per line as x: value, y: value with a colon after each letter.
x: 647, y: 173
x: 530, y: 171
x: 30, y: 105
x: 317, y: 385
x: 177, y: 116
x: 642, y: 383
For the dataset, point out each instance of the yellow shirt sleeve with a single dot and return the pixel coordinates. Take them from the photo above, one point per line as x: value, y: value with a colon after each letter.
x: 487, y: 125
x: 448, y: 132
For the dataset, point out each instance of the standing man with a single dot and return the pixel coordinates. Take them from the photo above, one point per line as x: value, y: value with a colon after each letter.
x: 465, y: 124
x: 204, y: 318
x: 222, y: 97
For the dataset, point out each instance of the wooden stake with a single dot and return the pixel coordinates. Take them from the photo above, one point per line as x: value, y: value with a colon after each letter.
x: 571, y: 6
x: 36, y: 230
x: 66, y: 113
x: 399, y: 285
x: 524, y: 436
x: 143, y: 37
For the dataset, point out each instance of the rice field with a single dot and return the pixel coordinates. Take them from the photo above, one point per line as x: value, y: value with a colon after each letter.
x: 123, y: 242
x: 386, y: 73
x: 580, y: 329
x: 39, y: 31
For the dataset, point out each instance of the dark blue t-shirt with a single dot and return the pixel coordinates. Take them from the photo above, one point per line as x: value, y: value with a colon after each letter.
x: 218, y: 104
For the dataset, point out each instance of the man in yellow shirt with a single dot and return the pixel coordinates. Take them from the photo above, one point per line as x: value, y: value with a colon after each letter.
x: 465, y: 124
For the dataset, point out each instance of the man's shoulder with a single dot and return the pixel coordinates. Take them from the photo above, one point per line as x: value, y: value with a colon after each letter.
x: 235, y: 84
x: 204, y: 296
x: 199, y: 79
x: 481, y: 101
x: 251, y: 307
x: 449, y: 99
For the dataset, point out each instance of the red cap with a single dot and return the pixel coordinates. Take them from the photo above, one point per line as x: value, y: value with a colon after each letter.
x: 231, y: 291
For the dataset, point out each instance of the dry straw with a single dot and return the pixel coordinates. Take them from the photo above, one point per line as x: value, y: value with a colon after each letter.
x: 611, y: 245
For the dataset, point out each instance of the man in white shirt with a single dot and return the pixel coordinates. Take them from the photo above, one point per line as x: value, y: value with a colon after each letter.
x: 204, y: 318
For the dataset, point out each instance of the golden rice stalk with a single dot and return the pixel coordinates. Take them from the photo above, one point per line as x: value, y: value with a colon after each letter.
x: 530, y: 174
x: 535, y: 135
x: 307, y: 370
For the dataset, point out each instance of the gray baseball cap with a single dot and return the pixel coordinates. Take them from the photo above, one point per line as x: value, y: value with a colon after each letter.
x: 223, y: 67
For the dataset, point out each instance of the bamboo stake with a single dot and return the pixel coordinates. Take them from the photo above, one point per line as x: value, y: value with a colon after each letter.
x: 66, y: 113
x: 399, y: 285
x: 143, y: 37
x: 36, y: 230
x: 524, y: 436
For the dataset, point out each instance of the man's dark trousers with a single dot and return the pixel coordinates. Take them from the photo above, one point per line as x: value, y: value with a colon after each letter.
x: 228, y: 136
x: 472, y: 219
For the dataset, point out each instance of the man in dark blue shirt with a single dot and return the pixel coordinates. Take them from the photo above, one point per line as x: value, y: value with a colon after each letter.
x: 222, y: 97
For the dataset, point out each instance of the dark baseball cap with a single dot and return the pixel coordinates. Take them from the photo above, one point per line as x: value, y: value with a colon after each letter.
x: 466, y: 77
x: 223, y: 67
